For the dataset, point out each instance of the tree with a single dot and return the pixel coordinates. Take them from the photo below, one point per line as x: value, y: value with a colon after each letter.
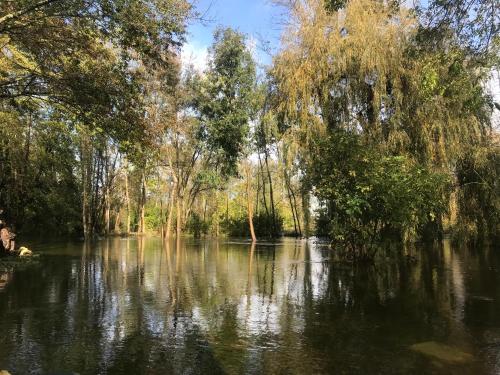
x: 85, y: 63
x: 368, y: 196
x: 81, y: 57
x: 225, y: 104
x: 474, y: 24
x: 361, y: 71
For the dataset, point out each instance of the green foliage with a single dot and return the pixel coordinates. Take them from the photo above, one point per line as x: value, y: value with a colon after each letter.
x: 197, y: 226
x: 370, y: 107
x: 73, y: 77
x: 322, y: 223
x: 366, y: 194
x: 37, y: 185
x: 335, y: 5
x: 153, y: 217
x: 413, y: 93
x: 478, y: 177
x: 474, y: 24
x: 263, y: 225
x: 88, y: 59
x: 226, y: 99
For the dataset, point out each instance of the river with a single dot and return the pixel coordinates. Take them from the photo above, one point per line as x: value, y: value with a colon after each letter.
x: 140, y: 306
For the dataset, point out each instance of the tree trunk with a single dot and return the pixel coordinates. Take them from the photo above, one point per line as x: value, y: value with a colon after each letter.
x: 293, y: 204
x: 143, y: 204
x: 271, y: 196
x: 292, y: 208
x: 185, y: 213
x: 168, y: 229
x: 249, y: 205
x: 263, y: 186
x: 162, y: 218
x: 84, y: 203
x: 307, y: 213
x: 27, y: 149
x: 85, y: 188
x: 162, y: 222
x: 257, y: 194
x: 117, y: 222
x: 127, y: 197
x: 296, y: 212
x: 178, y: 213
x: 107, y: 214
x: 96, y: 208
x: 227, y: 207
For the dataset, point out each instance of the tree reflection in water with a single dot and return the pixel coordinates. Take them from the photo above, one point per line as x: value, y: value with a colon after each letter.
x: 147, y: 306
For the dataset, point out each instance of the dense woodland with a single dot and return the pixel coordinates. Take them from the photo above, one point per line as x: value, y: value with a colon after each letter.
x: 372, y: 122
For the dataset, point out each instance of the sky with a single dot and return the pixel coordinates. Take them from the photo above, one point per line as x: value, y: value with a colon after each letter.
x: 259, y: 19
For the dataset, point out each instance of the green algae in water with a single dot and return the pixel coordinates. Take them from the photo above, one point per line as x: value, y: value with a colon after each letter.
x: 442, y: 352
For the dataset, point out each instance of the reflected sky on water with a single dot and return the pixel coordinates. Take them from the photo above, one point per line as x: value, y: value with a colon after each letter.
x: 140, y: 306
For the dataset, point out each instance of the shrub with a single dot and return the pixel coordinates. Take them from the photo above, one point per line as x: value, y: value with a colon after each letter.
x: 365, y: 195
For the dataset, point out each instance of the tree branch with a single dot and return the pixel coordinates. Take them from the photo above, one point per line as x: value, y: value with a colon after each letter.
x: 20, y: 13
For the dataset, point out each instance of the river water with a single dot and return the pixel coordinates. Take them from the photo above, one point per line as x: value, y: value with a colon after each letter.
x: 140, y: 306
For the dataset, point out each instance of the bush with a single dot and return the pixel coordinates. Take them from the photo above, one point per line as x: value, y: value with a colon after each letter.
x: 366, y: 195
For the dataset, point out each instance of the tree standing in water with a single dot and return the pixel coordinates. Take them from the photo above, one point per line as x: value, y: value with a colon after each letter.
x: 226, y: 102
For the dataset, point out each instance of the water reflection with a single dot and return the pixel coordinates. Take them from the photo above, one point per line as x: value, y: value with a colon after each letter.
x: 5, y: 277
x: 143, y: 306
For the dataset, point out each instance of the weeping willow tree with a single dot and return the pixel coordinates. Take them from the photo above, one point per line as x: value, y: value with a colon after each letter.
x: 366, y: 69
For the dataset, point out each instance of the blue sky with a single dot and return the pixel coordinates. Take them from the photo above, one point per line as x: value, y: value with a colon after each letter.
x: 259, y: 19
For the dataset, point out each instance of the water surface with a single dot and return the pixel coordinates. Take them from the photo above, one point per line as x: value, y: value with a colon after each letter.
x: 137, y: 306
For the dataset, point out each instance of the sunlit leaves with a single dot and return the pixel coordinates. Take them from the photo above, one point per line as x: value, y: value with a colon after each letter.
x: 366, y: 194
x: 225, y: 99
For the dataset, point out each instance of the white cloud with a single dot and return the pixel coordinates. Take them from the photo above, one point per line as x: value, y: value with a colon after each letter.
x: 195, y: 55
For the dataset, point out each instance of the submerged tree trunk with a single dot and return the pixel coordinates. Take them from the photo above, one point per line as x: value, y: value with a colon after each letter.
x: 107, y: 214
x: 293, y: 211
x: 185, y: 213
x: 84, y: 204
x: 257, y: 194
x: 142, y: 226
x: 271, y: 195
x: 296, y: 212
x: 293, y: 204
x: 306, y: 211
x: 263, y: 186
x: 178, y: 213
x: 162, y: 221
x: 215, y: 215
x: 107, y: 191
x: 117, y: 222
x: 168, y: 229
x: 127, y: 197
x: 249, y: 204
x: 86, y: 170
x: 162, y: 213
